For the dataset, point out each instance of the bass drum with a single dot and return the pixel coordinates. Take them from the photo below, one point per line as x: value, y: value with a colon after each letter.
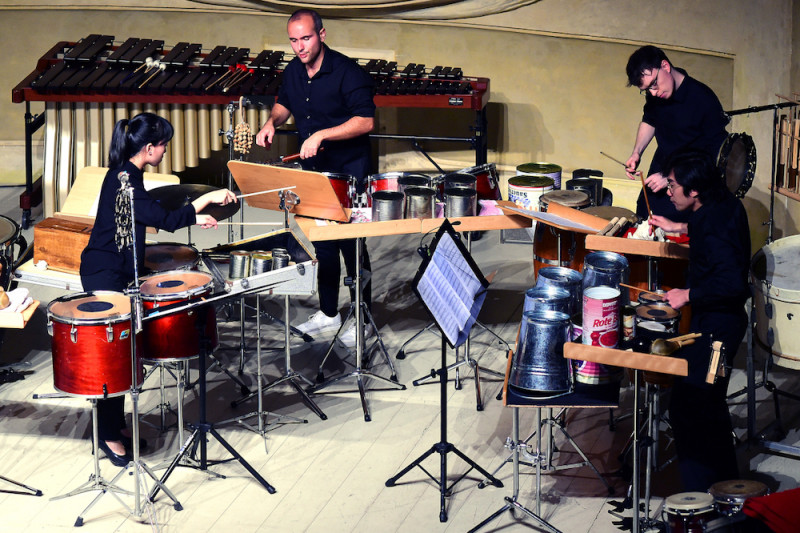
x: 776, y: 282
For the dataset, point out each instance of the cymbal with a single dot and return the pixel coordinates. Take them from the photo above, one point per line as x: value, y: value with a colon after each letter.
x: 172, y: 197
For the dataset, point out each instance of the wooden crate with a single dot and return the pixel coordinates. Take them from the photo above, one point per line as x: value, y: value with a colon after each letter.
x: 59, y: 242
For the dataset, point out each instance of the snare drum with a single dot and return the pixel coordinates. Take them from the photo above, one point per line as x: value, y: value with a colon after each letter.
x: 344, y: 185
x: 729, y: 496
x: 166, y: 256
x: 689, y: 512
x: 175, y: 337
x: 92, y: 344
x: 487, y: 182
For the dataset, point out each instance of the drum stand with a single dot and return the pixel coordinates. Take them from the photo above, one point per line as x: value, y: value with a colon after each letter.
x: 443, y: 448
x: 290, y: 376
x: 512, y: 503
x: 359, y: 310
x: 262, y: 415
x: 32, y: 491
x: 202, y: 428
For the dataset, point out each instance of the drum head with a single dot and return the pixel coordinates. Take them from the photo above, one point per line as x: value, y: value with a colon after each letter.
x: 737, y: 490
x: 689, y: 501
x: 607, y: 212
x: 8, y: 230
x: 177, y: 284
x: 737, y: 163
x: 99, y: 307
x: 656, y: 311
x: 169, y: 256
x: 569, y: 198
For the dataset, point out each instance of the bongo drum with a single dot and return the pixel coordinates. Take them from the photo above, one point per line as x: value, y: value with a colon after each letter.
x: 92, y: 344
x: 729, y: 496
x: 689, y: 512
x: 344, y: 185
x: 175, y: 337
x: 166, y: 256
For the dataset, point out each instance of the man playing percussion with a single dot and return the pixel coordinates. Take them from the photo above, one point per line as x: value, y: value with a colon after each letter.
x: 680, y: 112
x: 330, y: 97
x: 719, y: 259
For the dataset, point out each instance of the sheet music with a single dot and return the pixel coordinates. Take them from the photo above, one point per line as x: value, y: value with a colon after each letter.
x: 547, y: 217
x: 451, y: 290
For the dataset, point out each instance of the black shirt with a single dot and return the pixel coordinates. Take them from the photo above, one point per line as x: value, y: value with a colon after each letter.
x: 719, y: 256
x: 339, y: 91
x: 691, y: 118
x: 101, y: 254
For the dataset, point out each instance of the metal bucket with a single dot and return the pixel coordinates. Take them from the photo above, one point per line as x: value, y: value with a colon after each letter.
x: 591, y: 186
x: 608, y: 269
x: 563, y: 278
x: 413, y: 180
x: 418, y: 202
x: 539, y: 366
x: 460, y: 202
x: 387, y: 205
x: 547, y: 299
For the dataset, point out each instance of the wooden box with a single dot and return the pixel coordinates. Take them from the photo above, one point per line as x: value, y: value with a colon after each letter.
x: 59, y: 242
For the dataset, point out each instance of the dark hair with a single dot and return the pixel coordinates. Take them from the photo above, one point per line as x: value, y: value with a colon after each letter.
x: 696, y: 171
x: 308, y: 12
x: 130, y: 136
x: 645, y: 58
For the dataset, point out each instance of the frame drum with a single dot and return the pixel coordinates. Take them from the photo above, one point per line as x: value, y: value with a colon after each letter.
x: 737, y: 163
x: 166, y: 256
x: 92, y: 344
x: 175, y: 337
x: 776, y: 283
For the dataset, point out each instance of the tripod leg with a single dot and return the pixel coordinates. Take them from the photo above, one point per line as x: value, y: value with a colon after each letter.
x: 391, y: 482
x: 494, y: 515
x: 241, y: 460
x: 172, y: 465
x: 478, y: 398
x: 35, y: 492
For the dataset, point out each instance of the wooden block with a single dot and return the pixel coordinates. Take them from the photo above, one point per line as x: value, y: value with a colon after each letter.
x: 59, y: 242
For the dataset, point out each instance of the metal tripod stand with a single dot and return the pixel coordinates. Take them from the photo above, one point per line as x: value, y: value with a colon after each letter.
x: 358, y: 310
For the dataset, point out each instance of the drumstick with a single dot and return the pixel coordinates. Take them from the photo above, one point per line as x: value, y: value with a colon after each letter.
x: 265, y: 192
x: 641, y: 290
x: 249, y: 223
x: 644, y: 193
x: 614, y: 159
x: 608, y: 226
x: 686, y: 337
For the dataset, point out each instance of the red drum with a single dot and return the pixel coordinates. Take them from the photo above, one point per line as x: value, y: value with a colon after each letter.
x: 487, y: 184
x: 92, y: 344
x: 390, y: 181
x: 166, y: 256
x: 175, y: 337
x: 344, y: 185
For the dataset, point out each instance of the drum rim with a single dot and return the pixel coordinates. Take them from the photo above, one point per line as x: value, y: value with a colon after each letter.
x: 700, y: 500
x: 543, y: 182
x: 676, y: 316
x: 750, y: 160
x: 188, y: 293
x: 16, y: 229
x: 395, y: 174
x: 82, y: 321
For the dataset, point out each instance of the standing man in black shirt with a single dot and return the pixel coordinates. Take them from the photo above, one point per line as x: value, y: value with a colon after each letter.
x: 680, y: 112
x: 719, y: 260
x: 330, y: 97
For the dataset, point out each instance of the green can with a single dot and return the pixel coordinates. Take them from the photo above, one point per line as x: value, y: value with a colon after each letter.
x: 548, y: 170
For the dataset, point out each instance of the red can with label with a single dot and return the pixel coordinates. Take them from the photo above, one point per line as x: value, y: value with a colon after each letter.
x: 600, y: 328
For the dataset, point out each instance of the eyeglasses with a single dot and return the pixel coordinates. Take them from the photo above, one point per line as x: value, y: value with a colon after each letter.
x: 654, y: 85
x: 671, y: 185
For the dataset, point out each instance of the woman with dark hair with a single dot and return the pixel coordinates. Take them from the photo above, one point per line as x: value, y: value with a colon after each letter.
x: 107, y: 260
x: 719, y: 260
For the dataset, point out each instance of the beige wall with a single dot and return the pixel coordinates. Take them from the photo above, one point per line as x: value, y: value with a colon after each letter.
x: 556, y: 68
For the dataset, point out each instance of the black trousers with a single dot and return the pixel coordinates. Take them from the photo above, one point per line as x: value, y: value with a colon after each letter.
x: 698, y: 412
x: 329, y: 272
x: 110, y: 412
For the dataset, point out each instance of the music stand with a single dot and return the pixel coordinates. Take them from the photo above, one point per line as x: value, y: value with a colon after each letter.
x: 452, y: 289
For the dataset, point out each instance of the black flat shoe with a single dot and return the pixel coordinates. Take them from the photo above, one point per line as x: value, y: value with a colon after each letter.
x: 128, y: 443
x: 116, y: 460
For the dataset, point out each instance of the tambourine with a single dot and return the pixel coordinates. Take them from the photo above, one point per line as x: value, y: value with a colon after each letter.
x: 737, y: 163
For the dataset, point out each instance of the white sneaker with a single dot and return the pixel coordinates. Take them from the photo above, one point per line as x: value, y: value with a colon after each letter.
x: 348, y: 338
x: 319, y: 322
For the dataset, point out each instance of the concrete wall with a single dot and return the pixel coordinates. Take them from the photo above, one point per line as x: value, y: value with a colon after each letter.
x: 556, y: 68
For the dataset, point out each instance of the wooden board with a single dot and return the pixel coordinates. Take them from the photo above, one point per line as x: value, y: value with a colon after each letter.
x: 625, y: 246
x: 18, y: 320
x: 317, y: 197
x: 59, y: 243
x: 637, y: 361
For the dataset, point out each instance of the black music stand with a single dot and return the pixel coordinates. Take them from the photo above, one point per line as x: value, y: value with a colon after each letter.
x: 452, y: 288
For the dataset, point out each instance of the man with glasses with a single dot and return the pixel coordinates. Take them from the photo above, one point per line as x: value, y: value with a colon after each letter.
x: 717, y: 288
x: 680, y: 112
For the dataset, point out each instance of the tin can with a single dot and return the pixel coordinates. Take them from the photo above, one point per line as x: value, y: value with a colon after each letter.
x: 600, y: 328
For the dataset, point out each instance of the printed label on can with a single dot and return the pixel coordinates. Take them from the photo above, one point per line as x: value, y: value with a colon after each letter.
x: 600, y: 328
